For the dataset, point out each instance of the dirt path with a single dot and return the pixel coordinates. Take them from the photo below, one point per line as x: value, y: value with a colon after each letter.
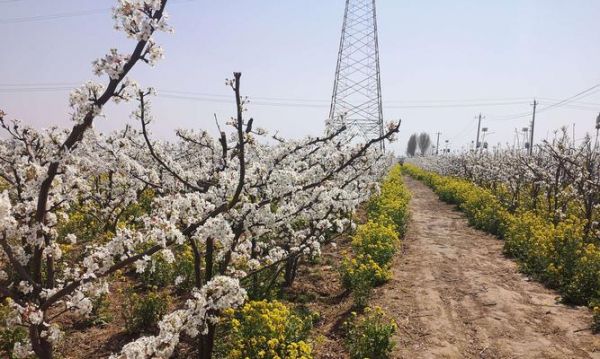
x: 454, y: 295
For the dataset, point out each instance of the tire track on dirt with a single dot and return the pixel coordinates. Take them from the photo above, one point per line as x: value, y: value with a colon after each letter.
x: 454, y: 295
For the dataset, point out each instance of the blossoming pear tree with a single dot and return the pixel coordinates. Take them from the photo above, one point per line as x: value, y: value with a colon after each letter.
x: 245, y: 203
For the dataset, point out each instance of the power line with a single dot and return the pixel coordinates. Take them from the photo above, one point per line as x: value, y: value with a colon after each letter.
x: 18, y: 20
x: 582, y: 94
x: 223, y: 100
x: 285, y: 102
x: 21, y: 88
x: 60, y: 86
x: 583, y: 108
x: 584, y: 103
x: 466, y: 129
x: 62, y: 15
x: 434, y: 102
x: 186, y: 95
x: 485, y: 104
x: 24, y: 85
x: 567, y: 102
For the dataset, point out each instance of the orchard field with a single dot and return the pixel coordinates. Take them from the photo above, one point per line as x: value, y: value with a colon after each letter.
x: 245, y: 244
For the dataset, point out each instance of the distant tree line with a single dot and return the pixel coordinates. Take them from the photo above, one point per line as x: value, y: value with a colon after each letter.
x: 422, y: 142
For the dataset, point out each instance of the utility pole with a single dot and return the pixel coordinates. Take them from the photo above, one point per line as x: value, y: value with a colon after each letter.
x: 478, y: 130
x: 437, y: 143
x: 597, y: 130
x: 532, y: 128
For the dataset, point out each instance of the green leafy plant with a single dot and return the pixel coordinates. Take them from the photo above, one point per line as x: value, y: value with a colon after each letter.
x: 596, y: 319
x: 143, y: 312
x: 370, y: 335
x: 101, y: 313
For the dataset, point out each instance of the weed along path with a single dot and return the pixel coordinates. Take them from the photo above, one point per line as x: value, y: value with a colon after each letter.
x: 454, y: 295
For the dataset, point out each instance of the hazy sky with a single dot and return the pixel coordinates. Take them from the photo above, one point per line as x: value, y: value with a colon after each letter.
x: 442, y: 63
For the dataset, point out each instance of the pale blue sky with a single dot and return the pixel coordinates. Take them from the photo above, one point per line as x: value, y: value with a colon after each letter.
x: 433, y: 53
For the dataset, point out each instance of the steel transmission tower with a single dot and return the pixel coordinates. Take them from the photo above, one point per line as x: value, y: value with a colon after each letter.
x: 356, y: 99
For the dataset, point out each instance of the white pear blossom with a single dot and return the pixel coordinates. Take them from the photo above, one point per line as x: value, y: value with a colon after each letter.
x: 22, y: 350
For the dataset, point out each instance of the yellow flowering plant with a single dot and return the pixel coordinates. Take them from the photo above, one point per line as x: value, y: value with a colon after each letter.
x: 360, y: 274
x: 377, y: 241
x: 269, y: 330
x: 391, y: 205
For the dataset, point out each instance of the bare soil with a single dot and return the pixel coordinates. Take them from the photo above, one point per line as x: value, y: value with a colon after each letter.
x: 320, y: 286
x: 454, y: 295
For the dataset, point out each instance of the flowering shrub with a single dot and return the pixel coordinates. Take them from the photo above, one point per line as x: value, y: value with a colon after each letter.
x: 375, y: 242
x: 270, y: 330
x: 582, y: 284
x: 528, y: 240
x: 360, y: 275
x: 370, y: 335
x: 392, y: 203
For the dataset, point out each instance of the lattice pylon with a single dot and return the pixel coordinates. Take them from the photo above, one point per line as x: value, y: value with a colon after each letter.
x: 356, y: 99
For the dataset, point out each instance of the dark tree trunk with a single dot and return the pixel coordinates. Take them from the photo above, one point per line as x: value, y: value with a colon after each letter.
x: 209, y: 260
x: 291, y: 266
x: 41, y: 347
x: 197, y: 264
x: 207, y: 343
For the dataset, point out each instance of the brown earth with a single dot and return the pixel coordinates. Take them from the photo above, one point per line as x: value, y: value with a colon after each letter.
x: 319, y: 287
x: 454, y: 295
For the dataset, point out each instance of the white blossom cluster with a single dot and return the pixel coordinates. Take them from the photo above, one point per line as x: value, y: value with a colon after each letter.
x: 217, y: 295
x: 138, y: 18
x: 112, y: 64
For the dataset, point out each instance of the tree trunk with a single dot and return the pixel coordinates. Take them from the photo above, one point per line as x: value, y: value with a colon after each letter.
x: 209, y: 260
x: 291, y: 265
x: 41, y: 347
x: 207, y: 343
x: 197, y: 264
